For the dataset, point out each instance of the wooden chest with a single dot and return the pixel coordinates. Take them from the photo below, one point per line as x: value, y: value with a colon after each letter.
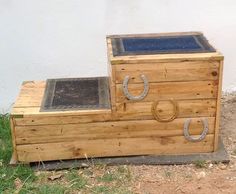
x: 161, y: 103
x: 155, y: 77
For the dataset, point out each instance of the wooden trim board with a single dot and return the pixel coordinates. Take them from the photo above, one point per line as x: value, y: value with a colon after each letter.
x: 112, y: 147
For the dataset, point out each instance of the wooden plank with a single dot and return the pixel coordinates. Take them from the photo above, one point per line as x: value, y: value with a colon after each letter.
x: 187, y: 108
x: 171, y: 90
x: 31, y: 94
x: 216, y: 141
x: 161, y: 72
x: 35, y: 111
x: 45, y: 119
x: 120, y: 129
x: 112, y: 86
x: 112, y: 147
x: 154, y: 34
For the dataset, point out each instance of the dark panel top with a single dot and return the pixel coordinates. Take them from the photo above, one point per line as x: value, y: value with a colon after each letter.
x: 123, y: 46
x: 76, y: 94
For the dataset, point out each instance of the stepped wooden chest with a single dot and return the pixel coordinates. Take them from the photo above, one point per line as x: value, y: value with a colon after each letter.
x: 162, y: 96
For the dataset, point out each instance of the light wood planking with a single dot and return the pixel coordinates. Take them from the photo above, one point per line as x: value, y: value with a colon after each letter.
x: 161, y: 72
x: 171, y: 90
x: 112, y: 147
x: 35, y: 111
x: 187, y: 108
x: 112, y: 87
x: 61, y: 119
x: 216, y: 142
x: 107, y: 130
x: 31, y: 94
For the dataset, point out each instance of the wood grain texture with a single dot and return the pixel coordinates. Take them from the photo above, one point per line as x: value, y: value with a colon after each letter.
x: 107, y: 130
x: 61, y: 119
x: 171, y: 90
x: 187, y: 108
x: 217, y: 124
x: 162, y: 72
x: 112, y: 147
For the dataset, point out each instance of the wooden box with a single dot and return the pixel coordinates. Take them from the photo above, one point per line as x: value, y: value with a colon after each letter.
x: 177, y: 113
x: 183, y: 86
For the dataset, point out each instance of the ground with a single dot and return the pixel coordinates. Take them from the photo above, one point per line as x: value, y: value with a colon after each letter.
x: 200, y: 177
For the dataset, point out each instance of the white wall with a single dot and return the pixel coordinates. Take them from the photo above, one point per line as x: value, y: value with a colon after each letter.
x: 66, y: 38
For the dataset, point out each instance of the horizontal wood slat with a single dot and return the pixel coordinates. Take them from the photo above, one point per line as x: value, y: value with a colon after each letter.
x: 171, y: 90
x: 60, y: 119
x: 107, y: 130
x: 161, y: 72
x: 186, y: 108
x: 112, y: 147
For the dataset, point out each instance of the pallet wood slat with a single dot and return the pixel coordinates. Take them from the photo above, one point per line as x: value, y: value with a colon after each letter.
x: 216, y: 140
x: 115, y: 129
x: 112, y: 147
x: 192, y: 80
x: 171, y: 90
x: 187, y: 108
x: 163, y: 72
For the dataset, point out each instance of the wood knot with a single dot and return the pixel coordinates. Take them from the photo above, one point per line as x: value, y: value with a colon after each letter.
x: 214, y: 73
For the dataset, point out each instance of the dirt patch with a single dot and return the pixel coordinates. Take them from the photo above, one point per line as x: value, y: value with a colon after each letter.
x: 195, y: 178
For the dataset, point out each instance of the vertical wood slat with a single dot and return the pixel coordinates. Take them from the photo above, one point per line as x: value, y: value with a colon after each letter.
x: 218, y: 107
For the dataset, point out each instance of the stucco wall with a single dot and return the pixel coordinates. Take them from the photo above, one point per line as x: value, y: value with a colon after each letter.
x: 58, y: 38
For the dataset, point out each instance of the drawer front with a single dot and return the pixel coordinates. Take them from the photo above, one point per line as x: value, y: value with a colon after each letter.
x: 162, y: 72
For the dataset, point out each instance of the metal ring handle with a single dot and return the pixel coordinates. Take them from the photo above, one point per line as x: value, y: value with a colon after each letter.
x: 203, y: 134
x: 157, y: 115
x: 130, y: 96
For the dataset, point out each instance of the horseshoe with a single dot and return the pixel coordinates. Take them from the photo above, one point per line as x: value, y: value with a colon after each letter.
x: 130, y: 96
x: 202, y: 135
x: 157, y: 115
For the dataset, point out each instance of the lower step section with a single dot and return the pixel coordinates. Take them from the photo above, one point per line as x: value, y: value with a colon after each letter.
x: 108, y: 130
x: 110, y: 138
x: 112, y: 147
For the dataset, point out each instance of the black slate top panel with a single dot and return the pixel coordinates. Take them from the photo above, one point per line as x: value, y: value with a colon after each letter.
x: 76, y: 94
x: 160, y: 45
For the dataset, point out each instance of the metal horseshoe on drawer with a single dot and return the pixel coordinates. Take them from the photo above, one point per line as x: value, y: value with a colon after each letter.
x: 203, y: 134
x: 130, y: 96
x: 156, y: 113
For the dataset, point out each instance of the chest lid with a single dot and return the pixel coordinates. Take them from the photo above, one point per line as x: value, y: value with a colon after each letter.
x: 163, y: 45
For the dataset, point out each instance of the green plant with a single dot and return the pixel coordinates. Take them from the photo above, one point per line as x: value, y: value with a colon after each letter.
x: 76, y: 181
x: 8, y: 174
x: 5, y: 139
x: 200, y: 163
x: 168, y: 174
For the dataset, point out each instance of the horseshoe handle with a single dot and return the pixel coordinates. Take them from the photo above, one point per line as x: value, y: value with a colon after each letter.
x: 130, y: 96
x: 202, y: 135
x: 157, y: 115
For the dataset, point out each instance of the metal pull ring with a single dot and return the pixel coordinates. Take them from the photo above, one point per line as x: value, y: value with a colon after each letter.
x: 157, y: 115
x: 130, y: 96
x: 203, y: 134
